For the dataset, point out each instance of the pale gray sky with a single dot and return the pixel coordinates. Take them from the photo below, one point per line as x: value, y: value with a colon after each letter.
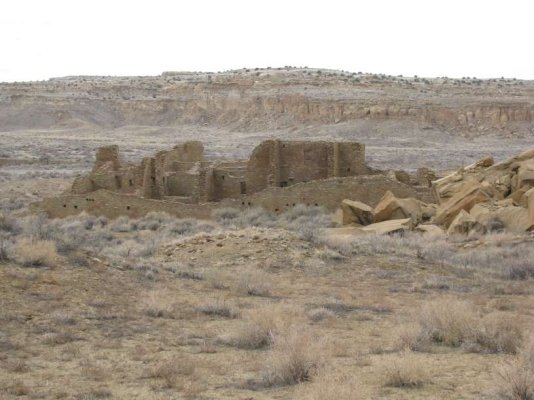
x: 41, y: 39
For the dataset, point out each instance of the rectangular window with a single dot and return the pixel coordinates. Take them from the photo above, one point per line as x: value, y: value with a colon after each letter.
x: 243, y: 187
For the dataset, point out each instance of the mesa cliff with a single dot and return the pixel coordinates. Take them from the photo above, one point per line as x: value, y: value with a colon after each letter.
x: 260, y: 99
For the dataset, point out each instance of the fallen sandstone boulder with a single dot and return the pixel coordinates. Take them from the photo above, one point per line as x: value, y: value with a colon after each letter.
x: 390, y: 208
x: 387, y: 227
x: 430, y: 229
x: 461, y: 201
x: 464, y: 224
x: 355, y: 212
x: 445, y: 188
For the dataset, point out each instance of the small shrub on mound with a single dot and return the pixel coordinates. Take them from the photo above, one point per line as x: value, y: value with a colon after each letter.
x: 35, y: 253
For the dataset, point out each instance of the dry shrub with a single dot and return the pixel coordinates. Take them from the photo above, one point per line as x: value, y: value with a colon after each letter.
x: 59, y: 338
x: 35, y: 253
x: 333, y: 385
x: 295, y: 357
x: 496, y: 334
x: 217, y: 308
x: 17, y: 366
x: 18, y: 388
x: 320, y: 313
x: 455, y: 323
x: 255, y: 283
x: 515, y: 379
x: 406, y: 370
x: 158, y: 305
x: 447, y: 321
x: 256, y: 329
x: 170, y: 370
x: 412, y: 337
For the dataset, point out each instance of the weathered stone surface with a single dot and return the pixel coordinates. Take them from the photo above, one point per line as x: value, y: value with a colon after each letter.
x: 530, y: 202
x: 430, y: 229
x: 501, y: 216
x: 463, y: 200
x: 390, y: 207
x: 464, y: 224
x: 446, y: 187
x: 386, y: 227
x: 356, y: 212
x: 428, y: 210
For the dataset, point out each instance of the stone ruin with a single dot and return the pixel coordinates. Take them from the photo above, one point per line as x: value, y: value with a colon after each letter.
x: 277, y: 176
x: 185, y: 175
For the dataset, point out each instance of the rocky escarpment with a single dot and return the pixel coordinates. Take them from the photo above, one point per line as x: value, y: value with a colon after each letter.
x: 271, y: 99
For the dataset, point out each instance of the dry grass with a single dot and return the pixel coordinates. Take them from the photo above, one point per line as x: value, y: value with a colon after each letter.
x: 455, y: 323
x: 515, y: 379
x: 406, y: 370
x: 217, y: 308
x: 169, y: 371
x: 35, y: 253
x: 295, y: 357
x: 320, y: 313
x: 158, y: 305
x: 259, y: 326
x: 331, y: 385
x: 255, y: 283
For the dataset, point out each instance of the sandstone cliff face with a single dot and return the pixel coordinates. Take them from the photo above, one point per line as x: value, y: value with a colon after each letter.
x: 270, y: 99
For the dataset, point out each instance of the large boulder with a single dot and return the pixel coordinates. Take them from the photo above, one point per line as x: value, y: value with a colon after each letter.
x: 356, y: 212
x: 464, y: 224
x: 501, y: 216
x: 389, y: 207
x: 463, y: 200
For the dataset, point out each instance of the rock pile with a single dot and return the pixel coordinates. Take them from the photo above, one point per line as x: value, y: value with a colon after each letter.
x: 479, y: 198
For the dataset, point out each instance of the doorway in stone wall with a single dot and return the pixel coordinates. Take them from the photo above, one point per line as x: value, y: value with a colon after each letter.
x: 243, y: 187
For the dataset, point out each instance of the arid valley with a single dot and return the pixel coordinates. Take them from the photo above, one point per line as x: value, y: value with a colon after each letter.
x: 254, y: 297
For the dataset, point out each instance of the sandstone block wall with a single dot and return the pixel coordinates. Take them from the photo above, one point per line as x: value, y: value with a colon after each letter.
x: 328, y: 193
x: 112, y: 205
x: 285, y: 163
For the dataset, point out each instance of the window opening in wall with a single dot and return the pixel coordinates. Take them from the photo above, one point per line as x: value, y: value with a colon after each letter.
x: 348, y: 169
x: 242, y: 203
x: 222, y: 177
x: 276, y: 210
x: 64, y: 206
x: 316, y: 205
x: 76, y: 206
x: 249, y: 203
x: 283, y: 184
x: 127, y: 207
x: 130, y: 182
x: 243, y: 187
x: 153, y: 179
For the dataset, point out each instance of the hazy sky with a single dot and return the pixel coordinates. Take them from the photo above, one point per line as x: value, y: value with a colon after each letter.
x: 45, y: 38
